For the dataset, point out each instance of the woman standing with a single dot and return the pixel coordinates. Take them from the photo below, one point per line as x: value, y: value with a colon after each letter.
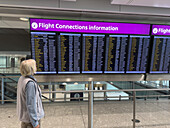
x: 29, y: 103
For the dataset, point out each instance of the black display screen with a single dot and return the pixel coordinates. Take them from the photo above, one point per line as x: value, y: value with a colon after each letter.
x: 137, y: 54
x: 93, y: 53
x: 115, y: 53
x: 72, y: 53
x: 69, y: 53
x: 44, y: 51
x: 160, y: 55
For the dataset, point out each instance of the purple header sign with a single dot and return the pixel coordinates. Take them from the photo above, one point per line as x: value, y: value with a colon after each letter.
x: 161, y: 30
x: 88, y: 27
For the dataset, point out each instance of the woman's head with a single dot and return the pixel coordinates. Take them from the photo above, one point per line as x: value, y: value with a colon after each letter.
x: 28, y: 67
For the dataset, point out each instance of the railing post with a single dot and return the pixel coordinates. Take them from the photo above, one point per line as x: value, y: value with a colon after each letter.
x: 134, y: 109
x: 90, y: 106
x: 50, y: 89
x: 2, y: 91
x: 169, y: 90
x: 119, y: 97
x: 105, y: 94
x: 65, y: 96
x: 53, y: 94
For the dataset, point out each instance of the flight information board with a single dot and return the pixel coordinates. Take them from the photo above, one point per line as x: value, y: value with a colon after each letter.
x: 93, y: 53
x: 138, y: 54
x: 44, y: 51
x: 160, y: 55
x: 115, y: 53
x: 69, y: 53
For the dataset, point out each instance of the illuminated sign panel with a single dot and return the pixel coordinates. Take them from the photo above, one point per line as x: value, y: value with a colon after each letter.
x: 88, y: 27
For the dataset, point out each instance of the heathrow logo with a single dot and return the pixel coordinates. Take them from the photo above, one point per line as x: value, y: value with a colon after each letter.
x: 34, y: 25
x: 155, y: 30
x: 161, y: 31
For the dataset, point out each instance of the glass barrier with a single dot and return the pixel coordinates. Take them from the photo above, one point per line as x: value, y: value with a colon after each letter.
x: 116, y: 103
x: 10, y: 87
x: 153, y: 113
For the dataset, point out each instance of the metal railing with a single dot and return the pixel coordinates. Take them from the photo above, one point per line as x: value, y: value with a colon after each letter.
x: 5, y: 76
x: 91, y: 98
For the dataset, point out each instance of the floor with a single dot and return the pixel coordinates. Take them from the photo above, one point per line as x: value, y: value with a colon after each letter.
x: 107, y: 114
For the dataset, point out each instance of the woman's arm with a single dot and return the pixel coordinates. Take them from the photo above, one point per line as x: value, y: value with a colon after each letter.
x: 31, y: 103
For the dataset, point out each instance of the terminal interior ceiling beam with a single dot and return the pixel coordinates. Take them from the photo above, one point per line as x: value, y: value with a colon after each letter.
x: 100, y: 10
x: 9, y: 15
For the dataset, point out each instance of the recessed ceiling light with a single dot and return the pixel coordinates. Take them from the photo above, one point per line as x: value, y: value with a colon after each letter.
x: 64, y: 83
x: 23, y: 19
x: 97, y: 82
x: 76, y: 83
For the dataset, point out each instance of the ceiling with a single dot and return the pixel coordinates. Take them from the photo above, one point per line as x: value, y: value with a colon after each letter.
x: 10, y: 19
x: 10, y: 14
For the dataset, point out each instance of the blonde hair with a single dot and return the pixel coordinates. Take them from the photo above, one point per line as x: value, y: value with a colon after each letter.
x: 28, y: 67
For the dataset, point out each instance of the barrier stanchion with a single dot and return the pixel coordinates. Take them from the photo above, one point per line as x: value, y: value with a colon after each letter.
x: 90, y: 106
x: 2, y: 91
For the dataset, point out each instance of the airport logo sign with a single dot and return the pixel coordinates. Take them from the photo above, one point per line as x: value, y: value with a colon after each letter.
x: 88, y: 27
x: 161, y: 30
x: 34, y: 25
x: 155, y: 30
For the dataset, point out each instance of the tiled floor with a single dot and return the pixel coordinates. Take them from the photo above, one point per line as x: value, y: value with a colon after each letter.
x: 110, y: 114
